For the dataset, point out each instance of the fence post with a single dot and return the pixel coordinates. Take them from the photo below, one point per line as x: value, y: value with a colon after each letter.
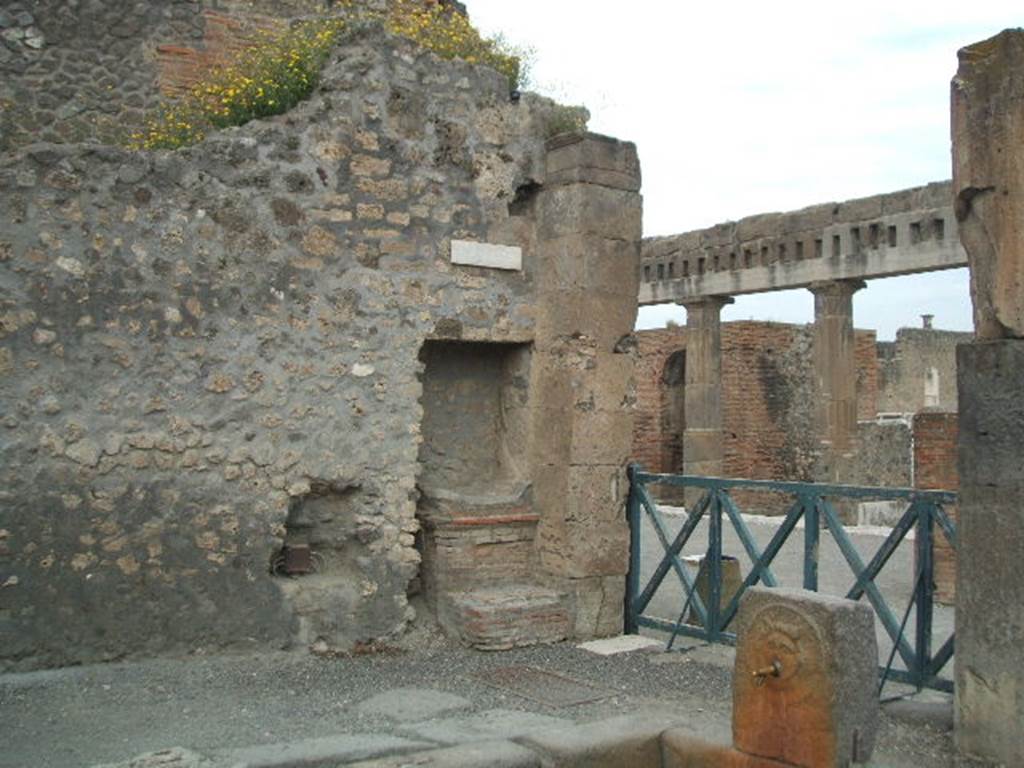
x: 715, y: 568
x: 925, y: 591
x: 633, y: 575
x: 812, y: 537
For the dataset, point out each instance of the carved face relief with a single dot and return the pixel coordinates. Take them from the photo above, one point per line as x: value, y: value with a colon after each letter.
x: 781, y: 687
x: 790, y: 642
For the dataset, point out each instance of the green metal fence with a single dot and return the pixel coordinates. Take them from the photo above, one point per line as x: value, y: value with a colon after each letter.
x: 814, y: 503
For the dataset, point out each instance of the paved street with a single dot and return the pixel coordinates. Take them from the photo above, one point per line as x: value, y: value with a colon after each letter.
x: 290, y: 709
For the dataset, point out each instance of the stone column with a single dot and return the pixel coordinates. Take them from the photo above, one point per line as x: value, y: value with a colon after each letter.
x: 988, y: 188
x: 703, y: 438
x: 835, y: 369
x: 587, y: 278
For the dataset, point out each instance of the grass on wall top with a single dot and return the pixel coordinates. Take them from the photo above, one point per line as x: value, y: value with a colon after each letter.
x: 282, y: 67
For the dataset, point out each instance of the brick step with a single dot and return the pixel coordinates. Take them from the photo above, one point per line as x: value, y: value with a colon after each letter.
x: 477, y: 540
x: 497, y: 618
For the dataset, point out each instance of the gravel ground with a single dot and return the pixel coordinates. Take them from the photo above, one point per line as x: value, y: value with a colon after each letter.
x: 81, y: 716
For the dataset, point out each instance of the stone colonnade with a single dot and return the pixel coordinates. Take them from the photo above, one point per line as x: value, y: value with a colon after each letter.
x: 835, y: 377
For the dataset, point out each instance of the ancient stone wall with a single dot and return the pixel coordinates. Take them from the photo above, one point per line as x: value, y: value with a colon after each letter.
x: 83, y: 71
x: 768, y: 385
x: 211, y: 354
x: 88, y: 70
x: 768, y: 399
x: 883, y: 455
x: 768, y: 392
x: 918, y: 370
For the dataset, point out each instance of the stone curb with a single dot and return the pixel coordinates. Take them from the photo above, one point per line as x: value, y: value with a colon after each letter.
x: 629, y: 741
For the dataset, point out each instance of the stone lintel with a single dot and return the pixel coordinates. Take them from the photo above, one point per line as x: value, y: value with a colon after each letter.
x: 930, y: 256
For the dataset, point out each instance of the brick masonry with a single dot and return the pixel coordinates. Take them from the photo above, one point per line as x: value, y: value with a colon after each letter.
x: 91, y: 70
x: 768, y: 393
x: 935, y: 468
x: 768, y: 396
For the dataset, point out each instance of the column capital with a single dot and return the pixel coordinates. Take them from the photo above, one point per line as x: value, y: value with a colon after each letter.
x: 838, y: 288
x: 700, y: 303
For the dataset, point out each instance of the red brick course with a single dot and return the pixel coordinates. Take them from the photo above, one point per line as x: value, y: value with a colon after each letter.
x: 180, y: 67
x: 935, y: 467
x: 651, y: 448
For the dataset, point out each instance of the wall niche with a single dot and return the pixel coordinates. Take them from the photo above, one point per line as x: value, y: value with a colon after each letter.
x: 475, y: 422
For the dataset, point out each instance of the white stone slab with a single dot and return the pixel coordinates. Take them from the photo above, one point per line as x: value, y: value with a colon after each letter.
x: 609, y: 646
x: 471, y: 254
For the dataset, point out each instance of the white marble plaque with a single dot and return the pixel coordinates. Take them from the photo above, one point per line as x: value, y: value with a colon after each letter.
x: 471, y: 254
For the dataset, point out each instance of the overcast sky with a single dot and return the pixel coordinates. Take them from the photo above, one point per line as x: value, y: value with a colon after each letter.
x: 748, y: 107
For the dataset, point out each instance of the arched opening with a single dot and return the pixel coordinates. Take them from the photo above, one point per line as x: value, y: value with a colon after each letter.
x: 673, y: 411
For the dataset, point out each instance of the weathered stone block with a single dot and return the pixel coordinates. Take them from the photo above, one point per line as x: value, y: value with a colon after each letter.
x: 575, y: 209
x: 607, y: 316
x: 553, y: 437
x: 481, y: 754
x: 630, y: 741
x: 499, y: 618
x: 592, y: 159
x: 596, y: 549
x: 598, y: 602
x: 588, y: 262
x: 804, y: 690
x: 612, y: 386
x: 681, y: 748
x: 990, y: 540
x: 559, y: 314
x: 601, y: 437
x: 990, y: 375
x: 988, y: 178
x: 862, y: 209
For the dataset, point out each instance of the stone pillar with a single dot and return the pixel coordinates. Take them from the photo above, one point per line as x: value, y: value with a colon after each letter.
x: 587, y: 278
x: 703, y: 438
x: 988, y: 188
x: 835, y: 370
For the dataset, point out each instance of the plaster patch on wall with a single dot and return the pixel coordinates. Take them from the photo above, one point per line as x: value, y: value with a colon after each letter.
x: 472, y: 254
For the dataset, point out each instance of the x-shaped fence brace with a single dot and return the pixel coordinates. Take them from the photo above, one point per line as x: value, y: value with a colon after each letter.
x: 924, y: 509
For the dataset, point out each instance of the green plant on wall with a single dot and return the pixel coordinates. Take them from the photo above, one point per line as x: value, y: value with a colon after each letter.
x: 270, y: 77
x: 564, y: 119
x: 282, y: 67
x: 451, y: 36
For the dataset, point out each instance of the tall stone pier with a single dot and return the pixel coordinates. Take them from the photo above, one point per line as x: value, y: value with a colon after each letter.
x: 702, y: 440
x: 835, y: 367
x: 588, y: 246
x: 988, y: 184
